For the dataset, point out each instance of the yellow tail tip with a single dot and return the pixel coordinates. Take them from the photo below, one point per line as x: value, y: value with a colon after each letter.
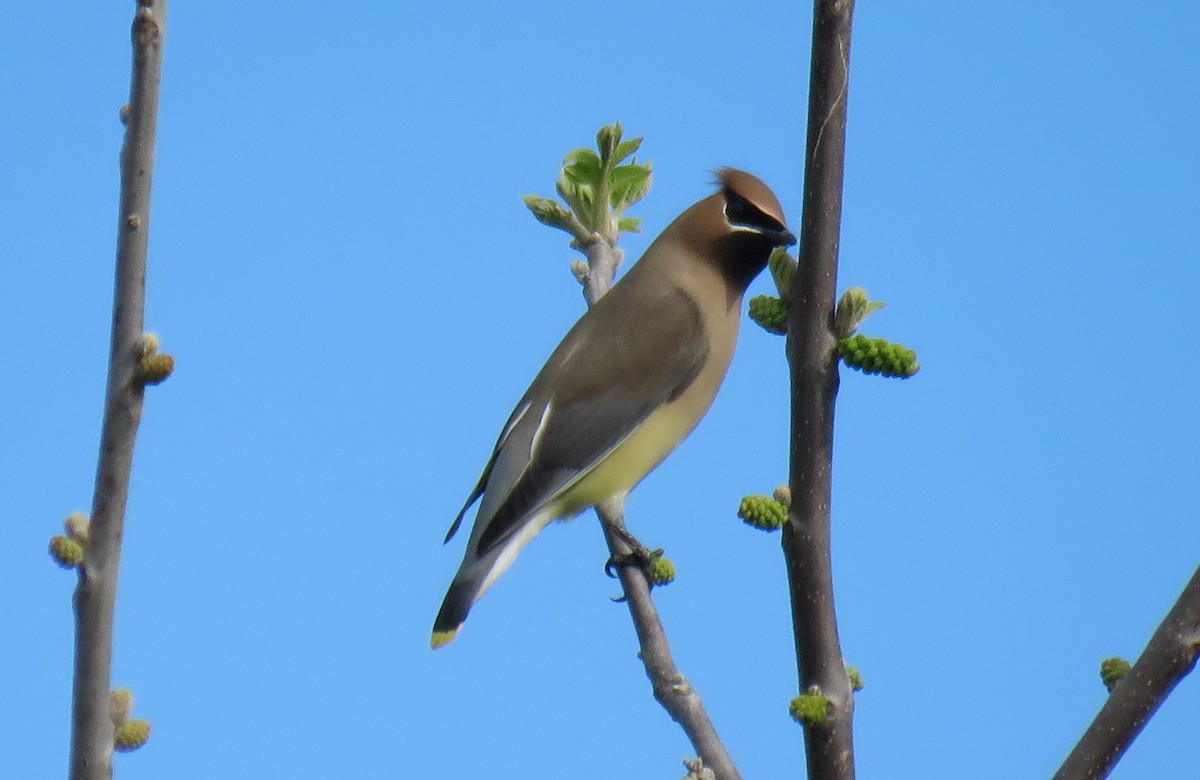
x: 442, y: 638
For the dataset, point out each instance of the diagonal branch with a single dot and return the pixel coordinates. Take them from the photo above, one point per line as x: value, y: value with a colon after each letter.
x: 1168, y: 658
x: 814, y: 371
x: 671, y: 688
x: 95, y: 595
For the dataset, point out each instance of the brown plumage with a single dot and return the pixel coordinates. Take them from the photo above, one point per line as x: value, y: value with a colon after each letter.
x: 627, y: 383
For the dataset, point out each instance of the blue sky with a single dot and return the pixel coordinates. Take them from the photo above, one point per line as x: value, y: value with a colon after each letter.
x: 356, y: 297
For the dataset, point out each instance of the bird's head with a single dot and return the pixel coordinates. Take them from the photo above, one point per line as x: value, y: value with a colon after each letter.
x: 738, y: 226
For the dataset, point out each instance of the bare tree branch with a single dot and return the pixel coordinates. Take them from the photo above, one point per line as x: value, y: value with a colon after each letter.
x: 95, y: 595
x: 671, y: 688
x: 1168, y: 658
x: 814, y: 370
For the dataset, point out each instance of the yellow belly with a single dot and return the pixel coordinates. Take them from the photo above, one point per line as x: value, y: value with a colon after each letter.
x: 631, y: 460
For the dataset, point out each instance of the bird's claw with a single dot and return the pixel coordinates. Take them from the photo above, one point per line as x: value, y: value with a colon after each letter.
x: 640, y: 556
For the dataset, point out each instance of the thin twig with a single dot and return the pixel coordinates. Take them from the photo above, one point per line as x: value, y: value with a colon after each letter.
x: 671, y: 688
x: 95, y: 595
x: 1168, y: 658
x: 806, y: 537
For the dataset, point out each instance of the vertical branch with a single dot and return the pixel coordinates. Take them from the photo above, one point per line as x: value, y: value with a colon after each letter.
x: 602, y: 261
x: 95, y: 595
x: 671, y: 689
x: 814, y: 372
x: 1169, y: 656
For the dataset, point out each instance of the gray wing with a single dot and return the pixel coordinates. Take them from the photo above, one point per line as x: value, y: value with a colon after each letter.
x: 477, y: 491
x: 618, y: 364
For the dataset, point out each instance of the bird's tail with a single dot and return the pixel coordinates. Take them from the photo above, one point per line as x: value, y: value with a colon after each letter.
x: 476, y: 575
x: 472, y: 580
x: 462, y: 595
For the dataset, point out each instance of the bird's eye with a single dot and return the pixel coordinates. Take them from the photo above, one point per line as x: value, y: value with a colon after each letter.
x: 741, y: 213
x: 737, y: 210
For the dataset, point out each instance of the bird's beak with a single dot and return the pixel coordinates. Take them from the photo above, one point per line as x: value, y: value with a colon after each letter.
x: 780, y: 237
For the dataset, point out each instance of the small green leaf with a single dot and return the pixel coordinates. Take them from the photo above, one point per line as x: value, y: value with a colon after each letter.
x: 581, y: 198
x: 629, y: 225
x: 626, y: 148
x: 852, y: 309
x: 582, y: 166
x: 629, y: 184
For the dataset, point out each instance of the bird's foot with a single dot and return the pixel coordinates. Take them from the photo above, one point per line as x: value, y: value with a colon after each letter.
x: 638, y: 555
x: 641, y: 556
x: 651, y: 562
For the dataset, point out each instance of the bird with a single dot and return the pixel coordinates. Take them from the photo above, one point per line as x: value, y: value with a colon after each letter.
x: 629, y: 381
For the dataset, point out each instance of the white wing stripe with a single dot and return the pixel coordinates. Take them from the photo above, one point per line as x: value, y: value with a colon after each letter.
x: 537, y: 434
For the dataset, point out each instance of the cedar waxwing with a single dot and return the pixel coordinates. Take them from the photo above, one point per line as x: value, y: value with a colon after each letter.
x: 628, y: 382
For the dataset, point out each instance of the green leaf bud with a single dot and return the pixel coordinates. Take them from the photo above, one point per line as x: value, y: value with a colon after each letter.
x: 770, y: 313
x: 1112, y: 670
x: 810, y: 709
x: 66, y: 552
x: 77, y: 527
x: 120, y: 704
x: 548, y: 212
x: 783, y: 270
x: 852, y: 309
x: 149, y: 344
x: 154, y: 369
x: 662, y: 571
x: 697, y: 770
x: 131, y: 735
x: 763, y: 513
x: 878, y: 356
x: 608, y: 140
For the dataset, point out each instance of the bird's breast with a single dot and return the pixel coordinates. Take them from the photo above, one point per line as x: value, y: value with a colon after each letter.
x: 657, y: 436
